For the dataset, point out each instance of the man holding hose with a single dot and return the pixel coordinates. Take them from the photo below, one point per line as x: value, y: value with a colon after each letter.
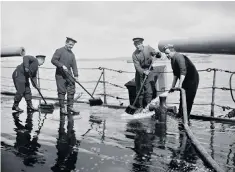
x: 142, y: 58
x: 186, y: 72
x: 64, y: 60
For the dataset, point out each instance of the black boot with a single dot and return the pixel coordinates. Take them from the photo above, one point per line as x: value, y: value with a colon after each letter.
x: 70, y: 108
x: 62, y: 108
x: 30, y: 107
x: 16, y: 107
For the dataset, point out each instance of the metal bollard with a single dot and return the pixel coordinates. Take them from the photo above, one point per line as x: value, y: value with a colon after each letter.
x: 162, y: 101
x: 163, y: 109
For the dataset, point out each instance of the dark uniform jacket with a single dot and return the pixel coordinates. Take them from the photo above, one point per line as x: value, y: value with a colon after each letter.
x: 31, y: 63
x: 65, y: 57
x: 182, y: 65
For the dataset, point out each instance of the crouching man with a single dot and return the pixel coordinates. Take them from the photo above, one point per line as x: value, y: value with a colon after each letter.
x: 24, y: 71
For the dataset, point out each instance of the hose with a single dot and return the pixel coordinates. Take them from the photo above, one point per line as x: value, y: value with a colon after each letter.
x: 230, y: 84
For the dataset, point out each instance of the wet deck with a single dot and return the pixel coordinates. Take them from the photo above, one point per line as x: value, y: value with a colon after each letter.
x: 99, y: 140
x: 38, y: 142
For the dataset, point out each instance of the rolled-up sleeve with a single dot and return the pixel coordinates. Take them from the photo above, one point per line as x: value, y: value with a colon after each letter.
x: 137, y: 64
x: 152, y: 51
x: 180, y: 60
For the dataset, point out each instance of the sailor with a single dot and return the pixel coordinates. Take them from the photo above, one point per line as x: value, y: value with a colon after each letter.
x: 186, y: 72
x: 24, y: 71
x: 64, y: 60
x: 142, y: 58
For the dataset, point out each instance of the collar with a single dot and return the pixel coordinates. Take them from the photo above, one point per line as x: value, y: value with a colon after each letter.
x: 138, y: 51
x: 67, y: 49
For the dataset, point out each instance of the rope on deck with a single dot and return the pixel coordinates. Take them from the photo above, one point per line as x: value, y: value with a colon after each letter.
x: 206, y: 157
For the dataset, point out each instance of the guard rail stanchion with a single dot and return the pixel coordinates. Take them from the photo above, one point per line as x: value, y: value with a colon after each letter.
x: 213, y: 95
x: 105, y: 99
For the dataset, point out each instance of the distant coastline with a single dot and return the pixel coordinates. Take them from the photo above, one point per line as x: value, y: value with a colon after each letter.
x: 190, y: 55
x: 107, y: 59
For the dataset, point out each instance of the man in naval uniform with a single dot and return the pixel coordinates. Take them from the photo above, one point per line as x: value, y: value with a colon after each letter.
x: 186, y: 72
x: 24, y: 71
x: 142, y: 58
x: 64, y: 60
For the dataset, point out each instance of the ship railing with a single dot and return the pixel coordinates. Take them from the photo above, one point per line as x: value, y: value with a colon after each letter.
x: 103, y: 80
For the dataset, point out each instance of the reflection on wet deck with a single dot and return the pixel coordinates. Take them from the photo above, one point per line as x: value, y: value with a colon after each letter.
x: 99, y: 140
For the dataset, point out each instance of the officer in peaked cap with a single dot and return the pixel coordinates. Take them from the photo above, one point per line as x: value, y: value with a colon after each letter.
x: 142, y: 59
x: 64, y: 60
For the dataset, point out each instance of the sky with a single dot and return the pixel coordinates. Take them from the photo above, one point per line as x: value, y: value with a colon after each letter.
x: 105, y: 29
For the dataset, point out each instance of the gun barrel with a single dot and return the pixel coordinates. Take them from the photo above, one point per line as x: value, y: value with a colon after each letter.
x: 210, y: 45
x: 12, y: 51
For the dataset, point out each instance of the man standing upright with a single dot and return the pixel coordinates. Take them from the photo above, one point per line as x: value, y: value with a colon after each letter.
x: 64, y: 60
x: 186, y: 72
x: 142, y: 58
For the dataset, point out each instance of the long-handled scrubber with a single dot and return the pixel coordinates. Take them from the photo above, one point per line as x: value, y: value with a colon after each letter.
x: 93, y: 101
x: 131, y: 108
x: 47, y: 107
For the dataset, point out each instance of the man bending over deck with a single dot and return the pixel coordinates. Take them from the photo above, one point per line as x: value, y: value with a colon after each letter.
x: 186, y: 72
x: 21, y: 76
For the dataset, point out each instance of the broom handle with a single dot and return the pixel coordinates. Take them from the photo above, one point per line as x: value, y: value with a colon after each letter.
x: 80, y: 84
x: 142, y: 85
x: 37, y: 88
